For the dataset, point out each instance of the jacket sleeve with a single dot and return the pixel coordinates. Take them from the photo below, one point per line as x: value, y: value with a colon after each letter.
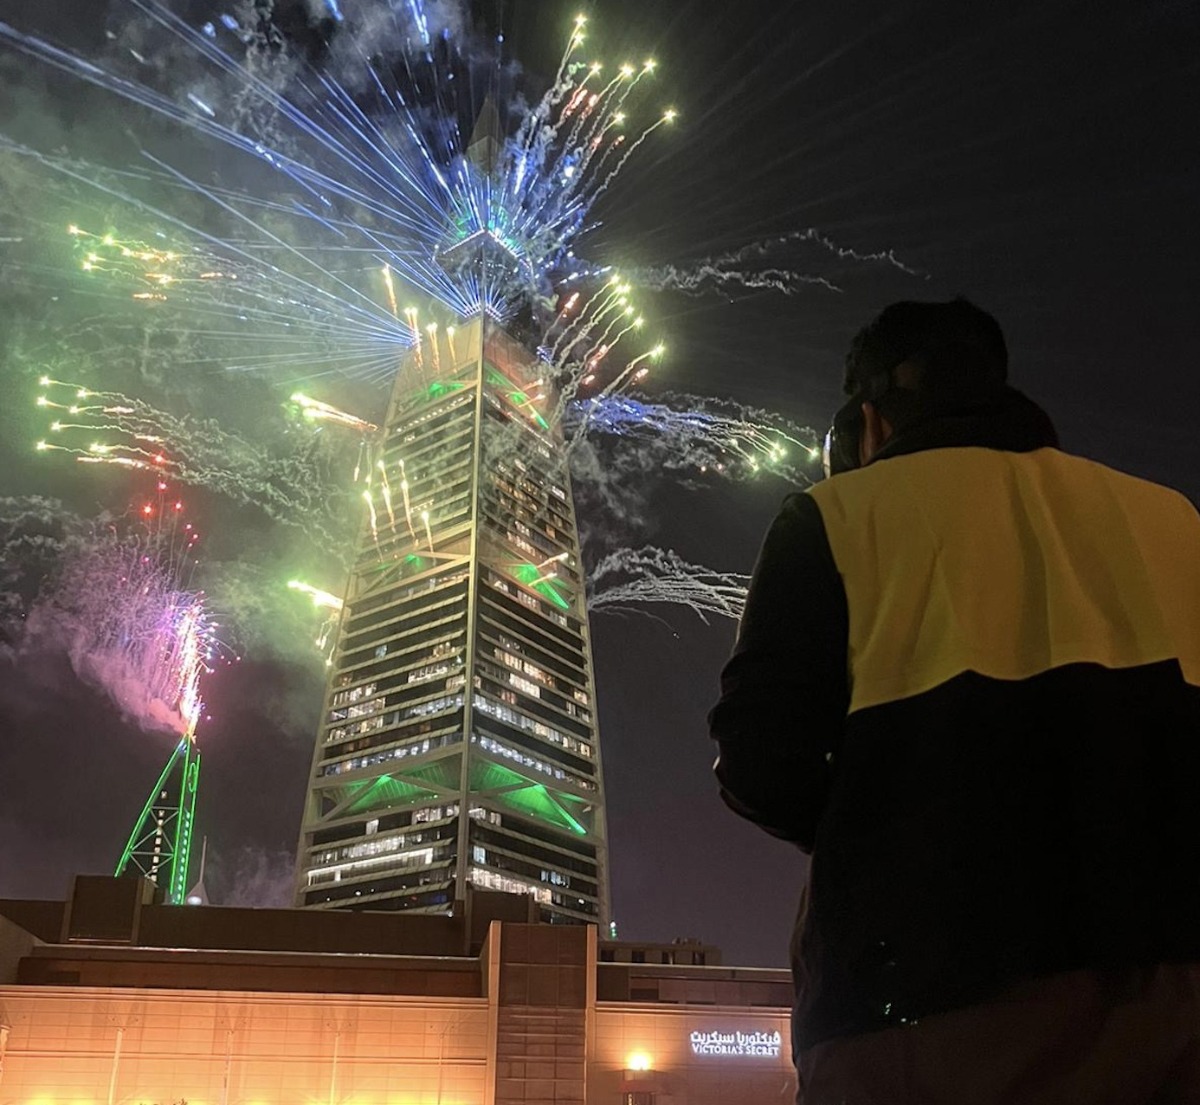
x: 785, y: 690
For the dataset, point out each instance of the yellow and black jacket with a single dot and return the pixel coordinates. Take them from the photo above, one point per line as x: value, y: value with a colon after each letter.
x: 967, y: 680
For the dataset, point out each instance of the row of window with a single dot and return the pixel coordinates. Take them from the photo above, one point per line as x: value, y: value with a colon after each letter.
x: 343, y: 698
x: 416, y: 647
x: 479, y: 854
x: 526, y: 599
x: 569, y: 631
x: 521, y: 868
x: 369, y: 611
x: 493, y: 880
x: 452, y: 510
x: 383, y: 844
x: 422, y: 454
x: 406, y: 430
x: 514, y: 838
x: 403, y: 688
x: 528, y: 508
x: 371, y: 759
x: 381, y: 885
x: 523, y: 666
x: 421, y: 709
x: 552, y: 713
x: 553, y: 678
x: 565, y: 658
x: 497, y: 748
x: 519, y: 720
x: 390, y: 637
x: 534, y: 484
x: 420, y: 857
x: 533, y: 690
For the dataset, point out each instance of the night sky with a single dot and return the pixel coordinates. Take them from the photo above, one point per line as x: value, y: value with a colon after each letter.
x: 1040, y: 158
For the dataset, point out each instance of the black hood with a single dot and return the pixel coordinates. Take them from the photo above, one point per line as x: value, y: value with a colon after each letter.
x: 1010, y: 421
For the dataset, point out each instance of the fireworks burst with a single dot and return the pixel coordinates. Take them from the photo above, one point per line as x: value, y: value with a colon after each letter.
x: 359, y: 176
x: 364, y: 209
x: 120, y: 604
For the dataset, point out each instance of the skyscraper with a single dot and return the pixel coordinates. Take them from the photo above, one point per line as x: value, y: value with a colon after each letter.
x: 458, y: 742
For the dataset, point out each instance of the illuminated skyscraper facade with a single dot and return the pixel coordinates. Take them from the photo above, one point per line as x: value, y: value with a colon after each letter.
x: 458, y: 742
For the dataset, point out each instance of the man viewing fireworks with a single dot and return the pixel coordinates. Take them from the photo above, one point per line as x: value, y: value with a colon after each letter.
x: 967, y: 684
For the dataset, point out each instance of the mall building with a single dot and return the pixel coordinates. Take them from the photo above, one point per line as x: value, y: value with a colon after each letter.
x: 112, y: 999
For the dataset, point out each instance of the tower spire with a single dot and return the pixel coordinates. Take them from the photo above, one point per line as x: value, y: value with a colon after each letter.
x: 486, y: 146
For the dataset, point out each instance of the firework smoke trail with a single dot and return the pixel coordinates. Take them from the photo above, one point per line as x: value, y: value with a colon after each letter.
x: 292, y: 489
x: 634, y: 578
x: 390, y: 285
x: 35, y: 531
x: 370, y: 501
x: 733, y: 269
x: 321, y: 599
x: 614, y: 296
x: 577, y: 351
x: 382, y: 182
x: 700, y: 435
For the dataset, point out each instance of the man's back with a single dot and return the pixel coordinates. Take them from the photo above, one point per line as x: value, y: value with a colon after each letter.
x: 1014, y: 795
x: 967, y: 681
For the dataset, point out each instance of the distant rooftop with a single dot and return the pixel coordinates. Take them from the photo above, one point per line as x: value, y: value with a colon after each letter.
x: 112, y: 932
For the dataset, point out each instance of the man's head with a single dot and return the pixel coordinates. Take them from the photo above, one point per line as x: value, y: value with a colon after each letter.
x: 915, y: 361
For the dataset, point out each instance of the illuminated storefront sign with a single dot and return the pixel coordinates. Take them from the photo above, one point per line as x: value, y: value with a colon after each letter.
x: 764, y: 1045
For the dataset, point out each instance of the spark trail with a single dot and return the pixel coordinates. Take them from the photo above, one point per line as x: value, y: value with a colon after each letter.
x: 356, y: 216
x: 330, y: 607
x: 316, y: 411
x: 698, y: 435
x: 357, y: 174
x: 108, y: 428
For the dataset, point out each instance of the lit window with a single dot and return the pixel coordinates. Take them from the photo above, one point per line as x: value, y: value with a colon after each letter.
x: 525, y: 685
x: 491, y: 880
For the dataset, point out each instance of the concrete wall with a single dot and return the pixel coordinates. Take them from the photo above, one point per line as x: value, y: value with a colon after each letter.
x: 240, y: 1048
x: 662, y: 1037
x: 15, y: 944
x: 68, y: 1045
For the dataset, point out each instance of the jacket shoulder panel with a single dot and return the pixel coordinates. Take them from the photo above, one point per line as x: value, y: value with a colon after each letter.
x: 1008, y: 564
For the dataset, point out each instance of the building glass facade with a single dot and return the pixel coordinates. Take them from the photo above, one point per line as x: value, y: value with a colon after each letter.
x: 458, y: 743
